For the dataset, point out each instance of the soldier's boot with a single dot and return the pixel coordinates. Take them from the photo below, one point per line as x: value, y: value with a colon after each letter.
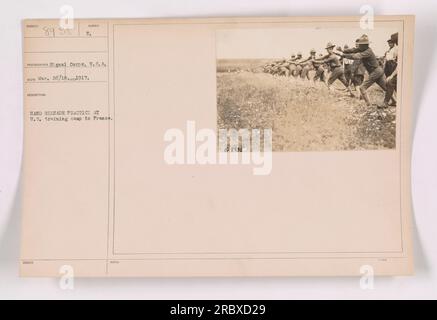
x: 365, y: 96
x: 384, y: 105
x: 392, y: 102
x: 357, y: 88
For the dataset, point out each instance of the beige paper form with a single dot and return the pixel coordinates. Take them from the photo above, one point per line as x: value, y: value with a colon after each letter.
x: 99, y: 197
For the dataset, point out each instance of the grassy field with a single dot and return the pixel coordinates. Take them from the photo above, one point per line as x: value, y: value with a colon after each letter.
x: 303, y: 116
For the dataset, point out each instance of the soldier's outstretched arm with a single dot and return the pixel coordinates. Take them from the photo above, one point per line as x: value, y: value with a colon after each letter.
x: 357, y: 56
x: 351, y: 56
x: 322, y: 58
x: 307, y: 59
x: 350, y: 50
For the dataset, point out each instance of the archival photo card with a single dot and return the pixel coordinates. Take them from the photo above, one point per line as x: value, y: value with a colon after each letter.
x: 212, y: 147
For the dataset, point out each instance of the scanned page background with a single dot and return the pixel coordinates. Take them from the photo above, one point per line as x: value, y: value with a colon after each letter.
x: 99, y: 196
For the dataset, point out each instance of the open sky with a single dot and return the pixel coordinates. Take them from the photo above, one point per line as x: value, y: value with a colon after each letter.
x: 281, y: 42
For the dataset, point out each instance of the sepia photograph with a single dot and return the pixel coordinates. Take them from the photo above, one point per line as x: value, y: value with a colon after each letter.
x: 316, y: 88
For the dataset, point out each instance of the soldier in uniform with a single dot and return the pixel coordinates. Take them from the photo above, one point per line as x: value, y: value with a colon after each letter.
x: 337, y: 70
x: 391, y: 56
x: 392, y: 81
x: 298, y: 68
x: 267, y: 67
x: 347, y: 64
x: 358, y: 70
x: 320, y: 69
x: 275, y: 68
x: 368, y: 58
x: 307, y: 65
x: 283, y: 68
x: 391, y: 71
x: 291, y: 64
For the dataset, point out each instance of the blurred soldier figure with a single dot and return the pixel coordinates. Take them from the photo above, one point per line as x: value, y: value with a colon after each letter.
x: 307, y: 65
x: 347, y: 64
x: 392, y: 81
x: 391, y: 64
x: 291, y: 64
x: 283, y: 68
x: 357, y: 70
x: 275, y: 68
x: 266, y: 67
x: 298, y: 68
x: 272, y: 67
x: 366, y: 55
x: 320, y: 69
x: 337, y: 71
x: 391, y: 56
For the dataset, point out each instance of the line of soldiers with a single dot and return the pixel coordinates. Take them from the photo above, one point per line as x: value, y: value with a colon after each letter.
x: 347, y: 65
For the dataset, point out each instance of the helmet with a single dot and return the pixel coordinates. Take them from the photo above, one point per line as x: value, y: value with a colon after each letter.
x: 364, y: 39
x: 330, y: 45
